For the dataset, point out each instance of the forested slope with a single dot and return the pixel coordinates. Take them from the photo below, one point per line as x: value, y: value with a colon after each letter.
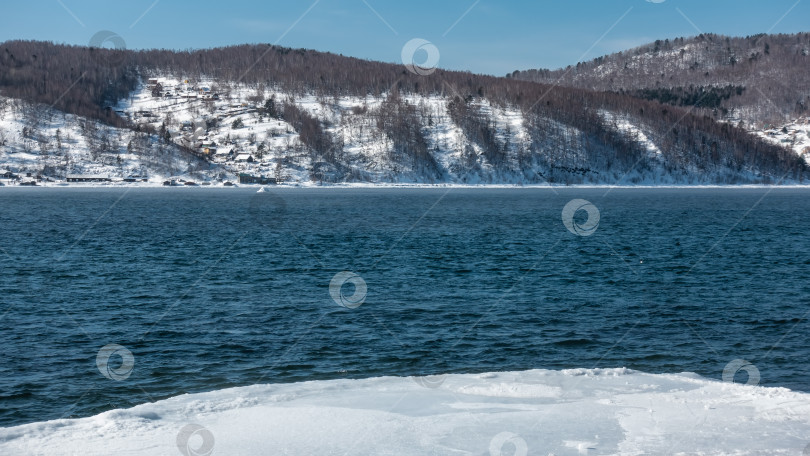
x: 356, y: 120
x: 760, y: 79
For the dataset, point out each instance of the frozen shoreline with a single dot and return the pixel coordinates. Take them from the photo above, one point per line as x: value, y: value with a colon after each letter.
x: 575, y: 411
x: 118, y: 185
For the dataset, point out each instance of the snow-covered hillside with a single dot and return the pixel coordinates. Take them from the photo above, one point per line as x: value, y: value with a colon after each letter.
x: 795, y: 135
x: 242, y: 129
x: 210, y: 132
x: 38, y: 141
x: 230, y: 126
x: 760, y: 79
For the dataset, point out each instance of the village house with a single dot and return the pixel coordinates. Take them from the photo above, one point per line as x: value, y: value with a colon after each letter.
x: 222, y: 154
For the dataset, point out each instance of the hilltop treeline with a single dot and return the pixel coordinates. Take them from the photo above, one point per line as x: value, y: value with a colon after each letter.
x: 767, y: 73
x: 77, y: 80
x: 567, y: 126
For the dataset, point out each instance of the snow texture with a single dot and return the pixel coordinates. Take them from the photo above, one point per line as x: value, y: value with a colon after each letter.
x: 570, y: 412
x: 235, y: 136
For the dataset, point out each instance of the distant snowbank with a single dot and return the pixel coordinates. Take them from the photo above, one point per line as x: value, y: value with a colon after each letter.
x: 349, y: 185
x: 579, y: 411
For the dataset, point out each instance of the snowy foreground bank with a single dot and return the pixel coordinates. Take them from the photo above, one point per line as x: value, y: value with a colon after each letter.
x: 610, y: 411
x: 377, y: 185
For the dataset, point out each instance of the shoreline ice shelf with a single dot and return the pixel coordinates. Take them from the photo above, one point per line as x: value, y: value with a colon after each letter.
x: 576, y: 412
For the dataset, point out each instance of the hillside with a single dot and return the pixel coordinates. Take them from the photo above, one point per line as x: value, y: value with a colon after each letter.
x: 304, y: 116
x: 45, y: 142
x: 762, y: 80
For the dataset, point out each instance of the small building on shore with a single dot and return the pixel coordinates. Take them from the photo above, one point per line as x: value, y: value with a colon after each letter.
x: 261, y: 180
x: 87, y: 178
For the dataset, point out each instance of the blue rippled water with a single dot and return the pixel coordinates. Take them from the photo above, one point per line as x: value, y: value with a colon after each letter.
x: 214, y: 288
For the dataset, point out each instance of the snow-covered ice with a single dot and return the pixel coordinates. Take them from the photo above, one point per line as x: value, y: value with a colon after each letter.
x: 576, y: 412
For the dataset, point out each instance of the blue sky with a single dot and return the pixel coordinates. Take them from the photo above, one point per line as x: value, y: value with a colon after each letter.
x: 484, y: 36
